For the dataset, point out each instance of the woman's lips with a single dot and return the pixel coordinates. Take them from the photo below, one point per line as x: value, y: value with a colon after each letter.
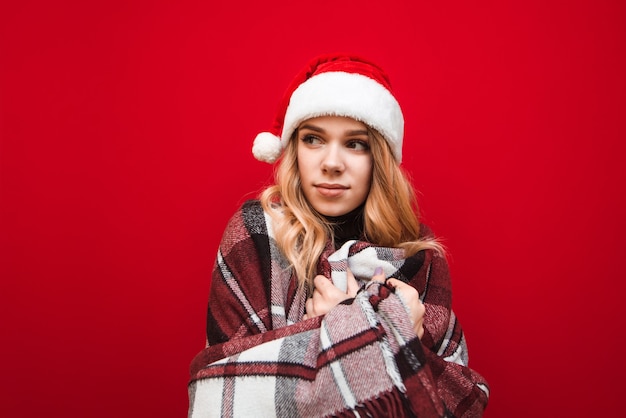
x: 331, y: 190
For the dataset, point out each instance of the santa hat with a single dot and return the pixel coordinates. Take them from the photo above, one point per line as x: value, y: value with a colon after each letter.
x: 335, y: 85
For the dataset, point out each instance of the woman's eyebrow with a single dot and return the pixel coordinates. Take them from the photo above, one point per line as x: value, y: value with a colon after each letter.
x: 357, y: 132
x: 312, y: 128
x: 347, y: 133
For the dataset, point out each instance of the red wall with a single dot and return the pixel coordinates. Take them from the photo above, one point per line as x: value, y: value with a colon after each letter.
x: 125, y: 135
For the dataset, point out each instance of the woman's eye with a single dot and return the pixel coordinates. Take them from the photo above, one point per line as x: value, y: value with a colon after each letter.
x: 311, y: 139
x: 359, y: 145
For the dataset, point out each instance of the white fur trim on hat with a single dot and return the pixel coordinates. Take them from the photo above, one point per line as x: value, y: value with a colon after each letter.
x: 351, y: 95
x: 267, y: 147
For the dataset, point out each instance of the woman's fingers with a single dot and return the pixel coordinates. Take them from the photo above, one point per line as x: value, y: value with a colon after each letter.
x: 326, y: 296
x: 400, y: 286
x: 321, y: 283
x: 353, y: 285
x: 411, y: 297
x: 379, y: 275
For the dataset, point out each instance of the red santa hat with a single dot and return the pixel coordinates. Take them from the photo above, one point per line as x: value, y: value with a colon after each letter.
x: 335, y: 85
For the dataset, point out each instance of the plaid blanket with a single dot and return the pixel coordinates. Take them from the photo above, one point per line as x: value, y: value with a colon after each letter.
x: 361, y: 359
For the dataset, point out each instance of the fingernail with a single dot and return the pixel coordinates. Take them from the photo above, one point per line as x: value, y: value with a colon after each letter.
x: 379, y: 270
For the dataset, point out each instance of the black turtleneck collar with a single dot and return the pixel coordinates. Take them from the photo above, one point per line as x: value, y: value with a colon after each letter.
x: 347, y: 227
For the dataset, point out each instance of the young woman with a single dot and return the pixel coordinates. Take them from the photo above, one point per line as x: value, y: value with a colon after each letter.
x: 328, y: 298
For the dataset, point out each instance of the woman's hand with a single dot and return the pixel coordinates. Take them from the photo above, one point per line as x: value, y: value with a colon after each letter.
x: 412, y: 298
x: 326, y: 295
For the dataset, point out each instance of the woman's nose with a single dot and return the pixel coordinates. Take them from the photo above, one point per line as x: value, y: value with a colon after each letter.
x: 332, y: 160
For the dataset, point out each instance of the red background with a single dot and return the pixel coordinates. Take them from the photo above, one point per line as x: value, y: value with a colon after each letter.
x: 125, y: 133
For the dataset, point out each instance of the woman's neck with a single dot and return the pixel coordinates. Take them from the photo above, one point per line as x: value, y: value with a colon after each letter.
x: 348, y: 226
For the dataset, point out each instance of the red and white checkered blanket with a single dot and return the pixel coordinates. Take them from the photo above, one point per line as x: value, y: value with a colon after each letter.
x: 361, y: 359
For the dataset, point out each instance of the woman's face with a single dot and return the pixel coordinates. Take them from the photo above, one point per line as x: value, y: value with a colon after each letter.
x: 334, y: 163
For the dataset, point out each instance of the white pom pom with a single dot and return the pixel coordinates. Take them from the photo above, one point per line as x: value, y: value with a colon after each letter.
x: 267, y: 147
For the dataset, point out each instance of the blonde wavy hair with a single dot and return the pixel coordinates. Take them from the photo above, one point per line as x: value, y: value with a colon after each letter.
x: 390, y: 213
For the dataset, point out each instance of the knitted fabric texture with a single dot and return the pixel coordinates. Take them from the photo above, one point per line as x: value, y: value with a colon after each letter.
x: 361, y: 359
